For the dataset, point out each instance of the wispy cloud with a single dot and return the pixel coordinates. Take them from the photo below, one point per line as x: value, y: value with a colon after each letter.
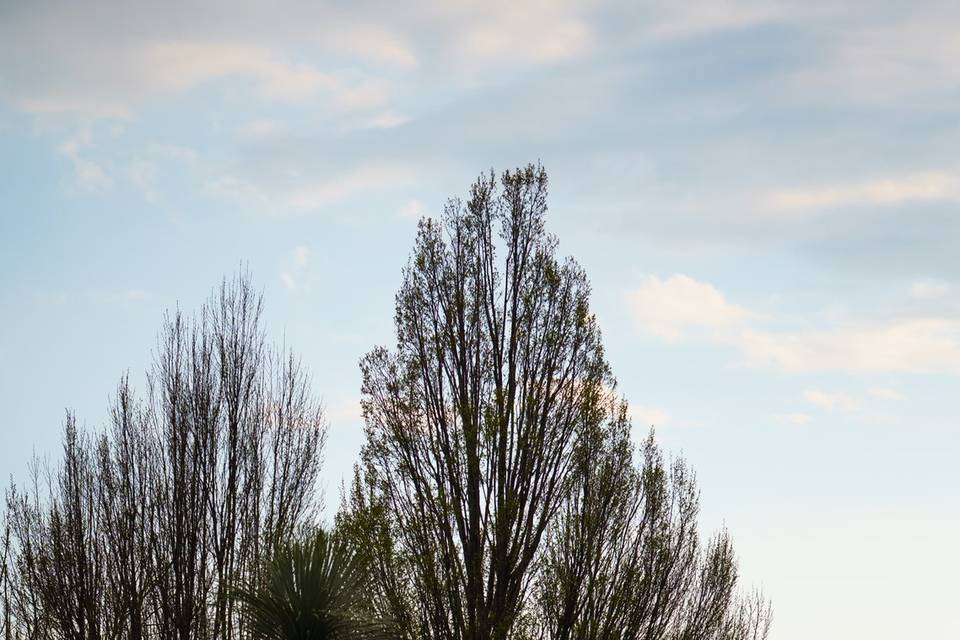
x: 120, y: 75
x: 91, y: 296
x: 695, y: 17
x: 929, y: 289
x: 884, y: 192
x: 179, y: 66
x: 413, y: 210
x: 180, y: 153
x: 302, y: 194
x: 141, y: 174
x: 529, y: 32
x: 650, y: 416
x: 242, y: 192
x: 669, y: 308
x: 365, y: 178
x: 260, y: 128
x: 883, y: 60
x: 134, y: 295
x: 908, y: 345
x: 89, y: 174
x: 831, y: 401
x: 347, y: 410
x: 386, y: 120
x: 294, y: 276
x: 374, y: 43
x: 93, y: 106
x: 884, y: 393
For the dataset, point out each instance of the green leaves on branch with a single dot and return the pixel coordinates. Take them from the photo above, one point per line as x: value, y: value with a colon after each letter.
x: 499, y: 456
x: 312, y: 589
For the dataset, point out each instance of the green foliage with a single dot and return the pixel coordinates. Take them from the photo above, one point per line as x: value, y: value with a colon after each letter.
x: 312, y: 589
x: 500, y: 495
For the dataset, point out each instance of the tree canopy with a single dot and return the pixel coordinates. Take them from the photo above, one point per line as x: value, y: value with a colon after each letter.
x: 143, y: 528
x: 499, y: 492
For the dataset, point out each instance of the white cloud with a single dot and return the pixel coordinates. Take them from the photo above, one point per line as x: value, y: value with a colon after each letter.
x: 135, y: 295
x: 890, y: 191
x: 530, y: 31
x: 929, y: 289
x: 413, y: 210
x: 89, y: 174
x: 91, y: 296
x: 288, y: 281
x: 882, y: 393
x: 178, y: 66
x: 184, y: 155
x: 56, y: 104
x: 141, y: 174
x: 831, y: 401
x: 242, y: 192
x: 107, y: 61
x: 909, y: 345
x: 323, y: 194
x: 260, y: 128
x: 668, y: 308
x: 798, y: 419
x: 386, y: 120
x: 880, y: 62
x: 374, y: 43
x: 346, y: 410
x: 694, y: 17
x: 118, y: 75
x: 649, y: 416
x: 299, y: 194
x: 301, y: 256
x: 294, y: 277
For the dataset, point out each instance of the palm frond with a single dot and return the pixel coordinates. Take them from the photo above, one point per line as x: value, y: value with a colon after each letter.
x: 312, y: 589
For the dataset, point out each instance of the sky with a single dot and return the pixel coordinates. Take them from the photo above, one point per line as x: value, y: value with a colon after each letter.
x: 764, y: 195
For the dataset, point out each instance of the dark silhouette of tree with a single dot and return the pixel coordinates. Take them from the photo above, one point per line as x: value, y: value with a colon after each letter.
x: 141, y: 529
x: 6, y: 615
x: 498, y: 495
x: 312, y: 589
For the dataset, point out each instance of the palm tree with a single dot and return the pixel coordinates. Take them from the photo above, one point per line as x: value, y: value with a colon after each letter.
x: 312, y: 589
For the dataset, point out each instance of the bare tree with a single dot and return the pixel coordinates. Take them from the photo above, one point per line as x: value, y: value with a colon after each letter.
x: 498, y: 494
x: 142, y: 530
x: 60, y: 559
x: 6, y: 616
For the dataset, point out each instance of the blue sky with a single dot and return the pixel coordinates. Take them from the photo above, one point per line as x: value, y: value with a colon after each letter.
x: 765, y: 196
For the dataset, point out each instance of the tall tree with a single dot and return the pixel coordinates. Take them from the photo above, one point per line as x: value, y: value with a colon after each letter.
x: 498, y: 494
x: 6, y: 615
x: 142, y: 529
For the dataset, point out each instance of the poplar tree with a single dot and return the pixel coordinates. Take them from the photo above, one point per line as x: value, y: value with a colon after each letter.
x: 499, y: 494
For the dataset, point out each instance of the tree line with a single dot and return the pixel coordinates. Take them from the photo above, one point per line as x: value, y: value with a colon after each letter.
x: 142, y: 528
x: 499, y: 494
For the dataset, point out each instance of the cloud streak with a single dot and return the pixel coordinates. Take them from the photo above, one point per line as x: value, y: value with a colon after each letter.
x: 670, y: 308
x: 923, y: 345
x: 294, y: 277
x: 886, y: 192
x: 534, y: 32
x: 89, y: 174
x: 797, y: 419
x: 309, y: 194
x: 831, y: 401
